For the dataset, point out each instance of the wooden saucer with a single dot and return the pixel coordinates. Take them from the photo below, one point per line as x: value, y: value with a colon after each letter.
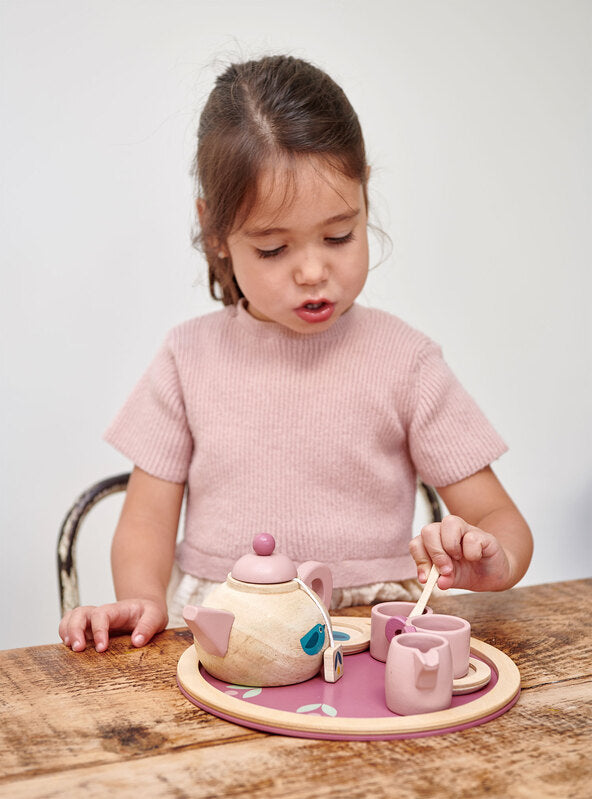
x: 478, y: 675
x: 352, y: 632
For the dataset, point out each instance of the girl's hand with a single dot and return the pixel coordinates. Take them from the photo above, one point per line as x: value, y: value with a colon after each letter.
x: 485, y: 545
x: 143, y: 617
x: 466, y: 556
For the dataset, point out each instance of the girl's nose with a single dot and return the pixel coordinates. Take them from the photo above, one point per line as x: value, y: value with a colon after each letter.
x: 311, y: 270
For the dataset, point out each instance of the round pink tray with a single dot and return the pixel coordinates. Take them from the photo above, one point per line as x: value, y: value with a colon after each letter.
x: 354, y: 707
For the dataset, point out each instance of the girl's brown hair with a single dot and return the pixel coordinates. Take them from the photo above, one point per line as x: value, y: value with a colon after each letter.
x: 259, y: 111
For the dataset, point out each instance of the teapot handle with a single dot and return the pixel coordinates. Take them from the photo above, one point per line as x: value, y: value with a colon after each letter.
x: 318, y: 577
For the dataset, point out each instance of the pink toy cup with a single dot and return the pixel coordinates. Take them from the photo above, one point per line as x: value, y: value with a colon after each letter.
x: 455, y: 630
x: 380, y: 614
x: 418, y: 675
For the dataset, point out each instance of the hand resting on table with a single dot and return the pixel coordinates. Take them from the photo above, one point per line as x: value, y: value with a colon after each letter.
x: 142, y: 617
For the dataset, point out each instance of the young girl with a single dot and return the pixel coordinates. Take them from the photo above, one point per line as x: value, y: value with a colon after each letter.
x: 294, y: 410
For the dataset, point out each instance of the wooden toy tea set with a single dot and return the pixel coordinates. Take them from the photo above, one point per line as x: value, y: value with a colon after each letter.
x: 267, y: 655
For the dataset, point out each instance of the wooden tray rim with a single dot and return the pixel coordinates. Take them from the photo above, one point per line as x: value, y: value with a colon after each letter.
x: 500, y: 696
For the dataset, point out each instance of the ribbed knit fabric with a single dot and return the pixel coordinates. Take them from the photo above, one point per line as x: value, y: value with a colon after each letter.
x: 317, y: 439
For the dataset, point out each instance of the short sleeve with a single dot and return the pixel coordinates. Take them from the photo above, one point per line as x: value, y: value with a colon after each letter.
x: 151, y: 429
x: 449, y: 437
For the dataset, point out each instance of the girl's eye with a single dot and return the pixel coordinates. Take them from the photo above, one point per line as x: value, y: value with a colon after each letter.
x: 331, y: 240
x: 270, y: 253
x: 341, y: 239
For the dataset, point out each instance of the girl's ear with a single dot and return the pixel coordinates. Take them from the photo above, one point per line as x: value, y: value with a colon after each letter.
x: 200, y: 204
x: 212, y: 241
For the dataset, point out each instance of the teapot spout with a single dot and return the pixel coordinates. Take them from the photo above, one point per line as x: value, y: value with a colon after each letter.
x: 210, y: 627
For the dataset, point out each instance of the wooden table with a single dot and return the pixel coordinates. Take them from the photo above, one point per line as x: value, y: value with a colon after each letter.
x: 115, y: 724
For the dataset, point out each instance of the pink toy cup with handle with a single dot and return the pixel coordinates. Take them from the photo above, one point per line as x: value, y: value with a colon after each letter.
x: 380, y: 615
x: 455, y: 630
x: 418, y: 674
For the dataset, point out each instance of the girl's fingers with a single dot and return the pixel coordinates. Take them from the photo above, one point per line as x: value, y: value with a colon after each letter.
x: 151, y: 621
x: 63, y: 628
x: 452, y: 530
x: 431, y: 536
x: 144, y: 617
x: 461, y: 552
x: 478, y: 545
x: 76, y: 626
x: 123, y: 615
x: 93, y: 624
x: 464, y: 554
x: 99, y: 622
x: 421, y: 558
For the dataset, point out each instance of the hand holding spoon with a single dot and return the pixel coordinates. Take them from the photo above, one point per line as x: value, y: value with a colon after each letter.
x: 425, y: 594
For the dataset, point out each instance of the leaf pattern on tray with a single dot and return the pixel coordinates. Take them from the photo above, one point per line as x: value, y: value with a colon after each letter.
x: 248, y: 689
x: 327, y: 710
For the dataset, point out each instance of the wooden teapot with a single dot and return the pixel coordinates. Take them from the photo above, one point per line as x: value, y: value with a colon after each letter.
x: 267, y: 624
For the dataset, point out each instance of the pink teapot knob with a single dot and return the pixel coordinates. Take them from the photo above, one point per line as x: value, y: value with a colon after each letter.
x: 264, y: 544
x: 264, y: 565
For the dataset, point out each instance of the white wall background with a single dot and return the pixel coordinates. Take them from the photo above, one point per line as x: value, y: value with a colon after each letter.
x: 477, y: 120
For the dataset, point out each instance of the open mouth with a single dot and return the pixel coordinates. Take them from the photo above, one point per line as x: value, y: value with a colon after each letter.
x: 317, y: 311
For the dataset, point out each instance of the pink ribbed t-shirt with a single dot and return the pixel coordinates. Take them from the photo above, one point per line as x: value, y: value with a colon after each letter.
x: 317, y: 439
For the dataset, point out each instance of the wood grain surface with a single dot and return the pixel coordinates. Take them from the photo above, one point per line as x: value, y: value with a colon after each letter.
x: 116, y: 724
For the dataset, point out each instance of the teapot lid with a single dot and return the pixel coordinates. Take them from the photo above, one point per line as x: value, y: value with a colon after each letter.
x: 264, y: 565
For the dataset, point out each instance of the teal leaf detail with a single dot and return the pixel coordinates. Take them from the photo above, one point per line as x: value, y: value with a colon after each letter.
x: 252, y: 692
x: 328, y: 710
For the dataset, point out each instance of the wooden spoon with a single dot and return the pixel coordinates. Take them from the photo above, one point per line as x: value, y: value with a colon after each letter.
x: 425, y: 594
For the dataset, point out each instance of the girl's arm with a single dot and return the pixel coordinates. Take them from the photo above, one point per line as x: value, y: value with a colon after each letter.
x: 484, y: 545
x: 142, y: 556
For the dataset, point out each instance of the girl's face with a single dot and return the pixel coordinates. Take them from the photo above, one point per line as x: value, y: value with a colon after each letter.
x: 301, y: 257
